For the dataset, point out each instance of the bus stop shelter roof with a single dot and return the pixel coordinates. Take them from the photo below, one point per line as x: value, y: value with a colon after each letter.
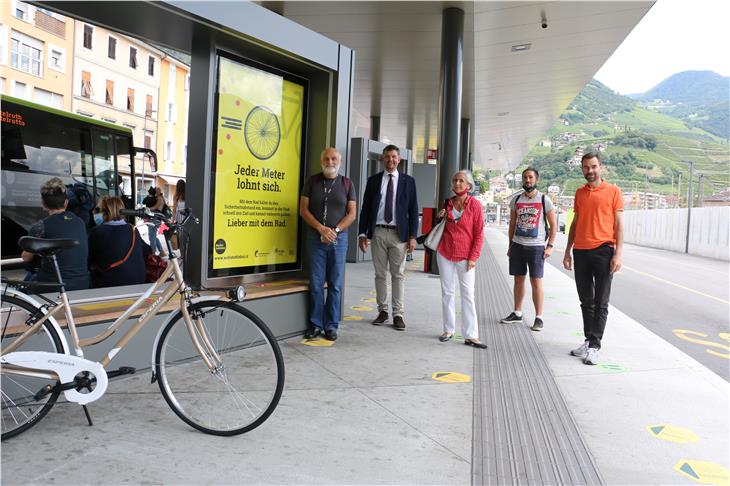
x: 518, y: 76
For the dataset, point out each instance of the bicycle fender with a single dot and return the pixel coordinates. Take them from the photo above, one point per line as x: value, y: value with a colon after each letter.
x: 67, y: 367
x: 169, y: 319
x: 52, y: 320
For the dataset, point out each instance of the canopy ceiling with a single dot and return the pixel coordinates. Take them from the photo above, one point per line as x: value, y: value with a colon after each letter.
x: 511, y: 97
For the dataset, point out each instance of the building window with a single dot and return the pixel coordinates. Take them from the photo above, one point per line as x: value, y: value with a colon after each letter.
x: 109, y: 92
x: 86, y: 90
x: 22, y: 11
x: 148, y: 107
x: 133, y: 58
x: 147, y: 139
x: 130, y: 99
x: 56, y: 58
x: 112, y: 48
x: 25, y: 53
x: 88, y: 36
x: 187, y: 82
x: 151, y: 66
x: 170, y: 111
x: 47, y: 98
x: 19, y: 90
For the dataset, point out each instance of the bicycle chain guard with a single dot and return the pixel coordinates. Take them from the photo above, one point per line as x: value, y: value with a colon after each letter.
x: 67, y: 367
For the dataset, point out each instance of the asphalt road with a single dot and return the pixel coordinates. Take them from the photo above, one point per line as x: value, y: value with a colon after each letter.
x: 684, y: 299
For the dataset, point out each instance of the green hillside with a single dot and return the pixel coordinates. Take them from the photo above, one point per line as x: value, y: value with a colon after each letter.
x: 643, y: 150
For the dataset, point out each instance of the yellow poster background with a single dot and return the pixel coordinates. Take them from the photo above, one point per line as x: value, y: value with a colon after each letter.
x: 258, y: 161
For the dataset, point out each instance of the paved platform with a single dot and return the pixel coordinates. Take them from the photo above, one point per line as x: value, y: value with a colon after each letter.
x: 369, y: 411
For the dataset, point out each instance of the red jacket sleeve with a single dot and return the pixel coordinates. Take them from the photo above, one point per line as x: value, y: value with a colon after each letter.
x: 477, y: 230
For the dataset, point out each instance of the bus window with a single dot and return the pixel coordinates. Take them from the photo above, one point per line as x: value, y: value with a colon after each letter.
x: 54, y: 150
x: 124, y: 186
x: 104, y: 167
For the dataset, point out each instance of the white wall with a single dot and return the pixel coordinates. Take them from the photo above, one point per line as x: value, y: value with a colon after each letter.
x: 667, y: 229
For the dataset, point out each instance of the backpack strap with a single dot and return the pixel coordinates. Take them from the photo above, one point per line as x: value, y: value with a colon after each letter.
x: 544, y: 217
x: 126, y: 257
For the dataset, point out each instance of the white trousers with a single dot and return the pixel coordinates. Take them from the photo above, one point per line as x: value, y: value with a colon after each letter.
x: 448, y: 270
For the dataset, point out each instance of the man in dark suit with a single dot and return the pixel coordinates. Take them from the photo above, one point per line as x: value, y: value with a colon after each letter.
x: 389, y: 219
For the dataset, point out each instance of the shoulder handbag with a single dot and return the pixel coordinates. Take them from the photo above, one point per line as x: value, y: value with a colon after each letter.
x: 434, y: 236
x: 432, y: 239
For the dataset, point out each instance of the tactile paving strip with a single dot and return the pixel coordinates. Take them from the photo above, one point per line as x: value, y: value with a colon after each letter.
x: 523, y: 430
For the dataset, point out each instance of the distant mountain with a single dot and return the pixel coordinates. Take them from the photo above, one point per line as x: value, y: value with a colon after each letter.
x: 699, y: 98
x: 644, y: 147
x: 695, y: 87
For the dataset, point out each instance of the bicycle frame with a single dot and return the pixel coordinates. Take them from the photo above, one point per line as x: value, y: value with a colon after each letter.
x: 195, y: 329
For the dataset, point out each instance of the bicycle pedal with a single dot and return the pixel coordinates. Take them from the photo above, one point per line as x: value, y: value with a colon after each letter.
x: 124, y: 370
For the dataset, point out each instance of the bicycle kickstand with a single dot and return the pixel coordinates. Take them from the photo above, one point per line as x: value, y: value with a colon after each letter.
x: 88, y: 417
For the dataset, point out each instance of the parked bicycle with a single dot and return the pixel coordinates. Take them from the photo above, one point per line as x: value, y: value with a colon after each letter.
x: 217, y: 364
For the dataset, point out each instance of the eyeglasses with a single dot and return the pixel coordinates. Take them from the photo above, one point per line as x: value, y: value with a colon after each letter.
x: 96, y: 210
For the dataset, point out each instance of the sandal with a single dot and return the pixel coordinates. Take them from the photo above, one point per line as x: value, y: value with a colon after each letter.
x: 445, y: 337
x: 475, y: 344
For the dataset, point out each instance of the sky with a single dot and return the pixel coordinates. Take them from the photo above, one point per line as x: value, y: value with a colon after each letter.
x: 674, y: 36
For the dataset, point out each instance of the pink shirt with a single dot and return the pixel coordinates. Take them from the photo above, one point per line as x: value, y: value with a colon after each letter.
x: 462, y: 239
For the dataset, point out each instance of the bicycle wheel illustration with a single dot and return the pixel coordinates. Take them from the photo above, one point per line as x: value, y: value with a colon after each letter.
x: 262, y: 132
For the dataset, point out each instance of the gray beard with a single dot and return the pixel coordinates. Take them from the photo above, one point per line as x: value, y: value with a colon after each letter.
x: 330, y: 172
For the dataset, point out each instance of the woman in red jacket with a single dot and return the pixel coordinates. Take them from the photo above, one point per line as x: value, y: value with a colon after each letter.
x: 458, y: 252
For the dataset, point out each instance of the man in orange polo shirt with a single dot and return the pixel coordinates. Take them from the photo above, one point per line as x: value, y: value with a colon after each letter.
x: 597, y: 238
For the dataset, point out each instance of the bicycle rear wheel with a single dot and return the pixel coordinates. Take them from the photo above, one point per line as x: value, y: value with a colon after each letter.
x: 243, y: 392
x: 21, y: 404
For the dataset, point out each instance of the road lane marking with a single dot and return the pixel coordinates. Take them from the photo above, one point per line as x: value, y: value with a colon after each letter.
x: 669, y: 282
x: 686, y: 333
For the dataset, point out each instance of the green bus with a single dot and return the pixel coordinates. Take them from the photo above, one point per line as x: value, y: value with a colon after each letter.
x: 39, y: 142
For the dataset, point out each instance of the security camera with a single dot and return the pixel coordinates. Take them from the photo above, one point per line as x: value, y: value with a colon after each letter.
x: 543, y: 18
x: 544, y: 24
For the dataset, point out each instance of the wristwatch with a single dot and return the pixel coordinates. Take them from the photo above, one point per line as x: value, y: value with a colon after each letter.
x: 337, y: 230
x: 549, y: 245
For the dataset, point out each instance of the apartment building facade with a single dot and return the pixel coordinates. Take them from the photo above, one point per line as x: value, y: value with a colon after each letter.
x: 117, y: 79
x: 36, y: 54
x: 172, y: 123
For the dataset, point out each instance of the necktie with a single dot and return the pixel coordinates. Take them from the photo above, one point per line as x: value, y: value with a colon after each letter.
x: 388, y: 214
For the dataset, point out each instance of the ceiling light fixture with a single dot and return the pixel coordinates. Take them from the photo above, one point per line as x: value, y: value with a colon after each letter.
x: 521, y: 47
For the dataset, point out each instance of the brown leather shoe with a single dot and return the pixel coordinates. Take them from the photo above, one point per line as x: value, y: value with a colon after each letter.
x: 398, y: 323
x: 382, y: 317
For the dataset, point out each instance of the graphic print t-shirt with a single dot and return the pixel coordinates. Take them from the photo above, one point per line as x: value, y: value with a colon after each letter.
x: 530, y: 225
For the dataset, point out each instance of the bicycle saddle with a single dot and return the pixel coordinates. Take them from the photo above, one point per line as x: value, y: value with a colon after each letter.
x: 46, y: 247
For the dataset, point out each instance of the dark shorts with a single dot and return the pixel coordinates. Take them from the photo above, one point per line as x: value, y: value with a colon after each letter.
x: 521, y: 257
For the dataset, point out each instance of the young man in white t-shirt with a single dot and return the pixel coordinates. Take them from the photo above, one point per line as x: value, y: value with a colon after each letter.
x: 528, y: 248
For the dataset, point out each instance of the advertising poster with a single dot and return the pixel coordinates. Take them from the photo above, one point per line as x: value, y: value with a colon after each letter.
x: 257, y: 171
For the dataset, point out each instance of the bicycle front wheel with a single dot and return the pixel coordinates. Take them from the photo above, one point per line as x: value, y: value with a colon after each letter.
x: 25, y: 399
x: 243, y: 391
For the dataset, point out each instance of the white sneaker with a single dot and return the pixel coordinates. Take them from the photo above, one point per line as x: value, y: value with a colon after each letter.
x: 591, y: 357
x: 580, y: 352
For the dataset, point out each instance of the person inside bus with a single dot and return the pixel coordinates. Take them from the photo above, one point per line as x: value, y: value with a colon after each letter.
x: 60, y: 223
x: 178, y: 208
x: 156, y: 202
x: 116, y: 250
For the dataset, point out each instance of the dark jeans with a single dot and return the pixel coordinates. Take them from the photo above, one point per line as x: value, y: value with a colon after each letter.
x: 326, y: 264
x: 593, y: 281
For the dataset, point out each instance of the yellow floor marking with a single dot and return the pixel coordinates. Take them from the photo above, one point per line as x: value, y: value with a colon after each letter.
x: 676, y: 285
x: 368, y: 299
x: 372, y: 292
x: 703, y: 472
x: 451, y: 377
x: 686, y: 333
x: 672, y: 433
x: 353, y: 318
x: 361, y: 308
x: 318, y: 343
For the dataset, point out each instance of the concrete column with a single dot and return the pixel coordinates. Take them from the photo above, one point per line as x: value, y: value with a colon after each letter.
x: 375, y: 128
x: 464, y: 143
x: 452, y: 54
